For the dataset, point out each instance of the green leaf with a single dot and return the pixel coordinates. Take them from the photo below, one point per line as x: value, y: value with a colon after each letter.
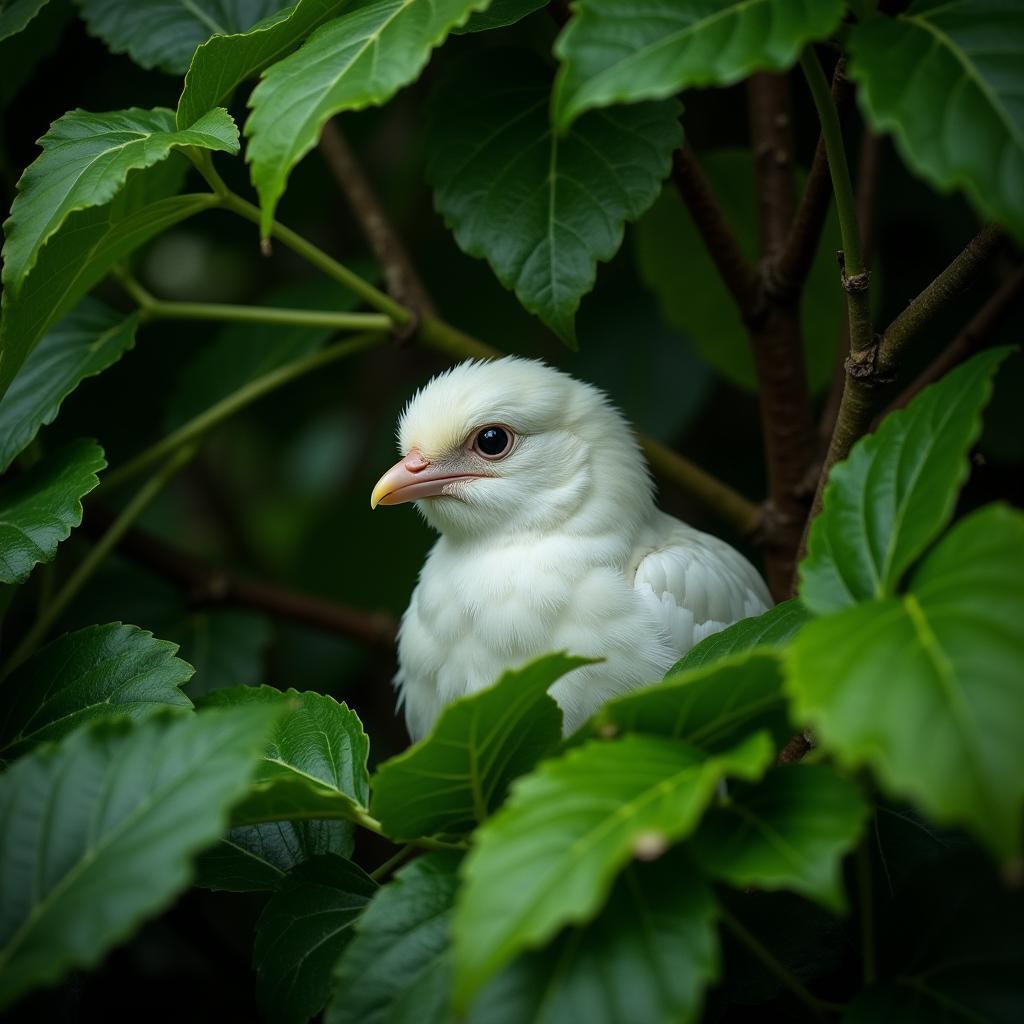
x: 358, y: 60
x: 85, y: 162
x: 257, y: 858
x: 84, y: 343
x: 945, y: 79
x: 774, y: 628
x: 315, y: 764
x: 97, y: 672
x: 925, y: 689
x: 16, y: 14
x: 549, y: 856
x: 97, y: 833
x: 223, y: 62
x: 645, y: 960
x: 302, y: 932
x: 894, y: 494
x: 398, y: 960
x: 713, y: 706
x: 80, y: 255
x: 477, y: 747
x: 693, y: 298
x: 242, y: 352
x: 21, y: 54
x: 542, y: 210
x: 39, y: 509
x: 499, y: 14
x: 788, y: 831
x: 613, y: 52
x: 165, y: 33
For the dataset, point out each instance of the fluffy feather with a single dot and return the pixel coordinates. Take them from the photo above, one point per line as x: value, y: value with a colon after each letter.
x: 562, y: 548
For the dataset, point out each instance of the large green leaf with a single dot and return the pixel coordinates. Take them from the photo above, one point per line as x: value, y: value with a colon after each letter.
x: 257, y: 858
x: 39, y: 509
x: 358, y: 60
x: 16, y: 14
x: 549, y: 856
x: 774, y: 628
x: 925, y: 689
x: 713, y: 707
x: 97, y: 833
x: 478, y: 746
x: 223, y: 62
x: 614, y: 52
x: 85, y: 162
x: 645, y: 960
x: 945, y: 79
x: 542, y: 210
x: 242, y: 352
x: 788, y: 831
x: 315, y: 765
x: 499, y: 14
x: 164, y: 33
x: 76, y: 258
x: 97, y: 672
x: 302, y: 932
x: 693, y: 298
x: 398, y: 961
x: 891, y: 498
x: 83, y: 344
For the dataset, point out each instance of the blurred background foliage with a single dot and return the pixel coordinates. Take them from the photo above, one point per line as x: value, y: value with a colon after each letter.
x: 281, y: 492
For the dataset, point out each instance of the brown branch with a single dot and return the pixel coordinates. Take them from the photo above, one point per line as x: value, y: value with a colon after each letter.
x: 785, y: 275
x: 208, y: 585
x: 742, y: 515
x: 400, y: 278
x: 737, y: 272
x: 869, y: 370
x: 973, y: 337
x: 776, y: 338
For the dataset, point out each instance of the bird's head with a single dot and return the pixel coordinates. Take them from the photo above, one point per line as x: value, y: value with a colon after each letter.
x: 513, y: 446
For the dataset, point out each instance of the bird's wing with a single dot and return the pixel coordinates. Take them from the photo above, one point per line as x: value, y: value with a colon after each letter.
x: 694, y: 583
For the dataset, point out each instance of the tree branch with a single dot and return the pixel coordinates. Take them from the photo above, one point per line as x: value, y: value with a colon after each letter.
x: 402, y: 281
x: 207, y: 585
x: 736, y: 271
x: 775, y: 335
x: 973, y: 337
x: 785, y: 275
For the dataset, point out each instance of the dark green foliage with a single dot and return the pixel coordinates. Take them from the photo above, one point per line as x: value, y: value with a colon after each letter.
x: 191, y: 641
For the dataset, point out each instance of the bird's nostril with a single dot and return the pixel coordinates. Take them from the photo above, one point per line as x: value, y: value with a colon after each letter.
x: 415, y: 462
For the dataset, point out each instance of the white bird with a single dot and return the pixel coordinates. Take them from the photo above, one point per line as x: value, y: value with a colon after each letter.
x: 550, y: 540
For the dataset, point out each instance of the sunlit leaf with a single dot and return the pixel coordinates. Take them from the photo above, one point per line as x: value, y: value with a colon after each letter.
x: 925, y: 689
x: 893, y: 495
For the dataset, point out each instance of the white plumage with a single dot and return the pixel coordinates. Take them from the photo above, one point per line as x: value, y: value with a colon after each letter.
x: 557, y: 545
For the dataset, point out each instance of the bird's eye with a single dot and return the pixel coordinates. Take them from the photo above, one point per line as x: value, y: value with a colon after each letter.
x: 493, y: 442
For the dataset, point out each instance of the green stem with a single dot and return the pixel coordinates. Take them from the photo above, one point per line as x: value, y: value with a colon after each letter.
x: 855, y: 275
x: 319, y: 259
x: 371, y: 824
x: 385, y: 870
x: 159, y: 310
x: 237, y: 400
x: 785, y: 976
x: 141, y: 500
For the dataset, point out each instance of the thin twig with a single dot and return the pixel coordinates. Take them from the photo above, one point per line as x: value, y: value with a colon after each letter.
x: 974, y: 336
x: 400, y: 276
x: 736, y: 271
x: 215, y: 414
x: 786, y: 275
x: 396, y: 860
x: 207, y: 585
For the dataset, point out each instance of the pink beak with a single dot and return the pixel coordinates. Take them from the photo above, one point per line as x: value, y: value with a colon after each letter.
x: 412, y: 478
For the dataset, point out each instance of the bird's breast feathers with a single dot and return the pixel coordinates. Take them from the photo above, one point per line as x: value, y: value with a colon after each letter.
x: 639, y: 604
